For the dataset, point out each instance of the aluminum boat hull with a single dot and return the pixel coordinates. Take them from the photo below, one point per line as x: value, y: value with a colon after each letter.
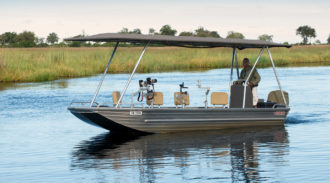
x: 167, y: 120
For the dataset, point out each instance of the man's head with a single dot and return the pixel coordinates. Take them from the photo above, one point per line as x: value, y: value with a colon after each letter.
x: 246, y: 63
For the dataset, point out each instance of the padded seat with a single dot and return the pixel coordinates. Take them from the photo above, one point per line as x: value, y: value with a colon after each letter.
x: 157, y: 100
x: 115, y: 97
x: 276, y: 96
x: 219, y: 98
x: 181, y: 98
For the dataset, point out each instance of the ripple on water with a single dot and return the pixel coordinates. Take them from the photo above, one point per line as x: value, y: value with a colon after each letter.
x: 41, y: 141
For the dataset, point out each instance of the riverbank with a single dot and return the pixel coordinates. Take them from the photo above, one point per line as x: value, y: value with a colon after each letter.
x: 46, y: 64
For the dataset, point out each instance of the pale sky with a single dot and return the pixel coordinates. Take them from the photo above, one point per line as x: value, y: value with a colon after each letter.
x: 68, y: 18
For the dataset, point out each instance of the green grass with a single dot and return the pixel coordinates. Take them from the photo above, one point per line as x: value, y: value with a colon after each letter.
x: 45, y: 64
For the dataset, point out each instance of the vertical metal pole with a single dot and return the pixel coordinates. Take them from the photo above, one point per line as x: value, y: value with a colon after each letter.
x: 232, y: 65
x: 131, y: 76
x: 278, y: 81
x: 247, y: 79
x: 231, y: 74
x: 104, y: 74
x: 237, y: 69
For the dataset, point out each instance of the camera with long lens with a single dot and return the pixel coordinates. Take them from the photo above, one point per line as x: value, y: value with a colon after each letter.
x: 151, y: 81
x: 148, y: 86
x: 147, y: 82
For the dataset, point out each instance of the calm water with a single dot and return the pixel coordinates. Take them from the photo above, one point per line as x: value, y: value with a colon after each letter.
x: 40, y: 141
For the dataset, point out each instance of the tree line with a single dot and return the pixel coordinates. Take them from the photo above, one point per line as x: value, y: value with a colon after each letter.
x: 29, y: 39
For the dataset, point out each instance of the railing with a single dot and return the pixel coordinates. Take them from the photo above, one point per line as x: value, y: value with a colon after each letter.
x: 86, y: 104
x: 82, y: 104
x: 130, y: 105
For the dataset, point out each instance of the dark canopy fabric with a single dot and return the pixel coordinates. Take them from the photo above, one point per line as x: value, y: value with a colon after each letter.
x: 185, y: 41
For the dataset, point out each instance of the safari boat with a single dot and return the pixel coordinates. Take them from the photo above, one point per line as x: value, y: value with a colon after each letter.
x: 226, y: 110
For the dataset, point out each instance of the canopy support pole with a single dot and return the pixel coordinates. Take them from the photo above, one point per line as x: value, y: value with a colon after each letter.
x: 104, y: 74
x: 131, y: 76
x: 247, y: 79
x: 278, y: 81
x: 237, y: 69
x: 231, y: 74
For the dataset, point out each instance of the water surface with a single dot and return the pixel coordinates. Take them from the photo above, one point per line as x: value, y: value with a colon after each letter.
x: 40, y: 141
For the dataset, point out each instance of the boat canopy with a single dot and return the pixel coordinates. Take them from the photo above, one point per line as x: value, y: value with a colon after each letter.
x: 183, y: 41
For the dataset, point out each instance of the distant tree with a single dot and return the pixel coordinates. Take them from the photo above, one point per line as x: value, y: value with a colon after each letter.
x: 306, y: 32
x: 77, y: 43
x: 135, y: 31
x: 25, y: 39
x: 235, y: 35
x: 201, y: 32
x: 317, y: 42
x: 87, y: 44
x: 62, y: 44
x: 214, y: 34
x: 328, y: 39
x: 266, y: 37
x: 186, y: 34
x: 167, y: 30
x: 152, y: 31
x: 40, y: 42
x: 124, y: 30
x: 96, y: 45
x: 8, y: 38
x: 52, y: 38
x: 287, y: 43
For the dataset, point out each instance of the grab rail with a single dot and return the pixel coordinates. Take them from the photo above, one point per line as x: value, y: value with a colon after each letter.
x: 97, y: 105
x: 131, y: 105
x: 82, y: 103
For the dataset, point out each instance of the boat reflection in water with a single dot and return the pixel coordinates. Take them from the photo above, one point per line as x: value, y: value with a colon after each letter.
x: 249, y: 154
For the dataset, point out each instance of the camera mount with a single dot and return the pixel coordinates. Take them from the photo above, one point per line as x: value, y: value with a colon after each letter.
x: 148, y: 86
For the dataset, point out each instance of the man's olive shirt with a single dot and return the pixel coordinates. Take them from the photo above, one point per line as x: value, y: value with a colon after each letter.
x: 254, y: 78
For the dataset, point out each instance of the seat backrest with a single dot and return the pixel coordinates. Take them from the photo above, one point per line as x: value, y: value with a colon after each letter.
x: 219, y: 98
x: 236, y: 96
x: 157, y: 100
x: 115, y: 97
x: 181, y: 98
x: 276, y: 96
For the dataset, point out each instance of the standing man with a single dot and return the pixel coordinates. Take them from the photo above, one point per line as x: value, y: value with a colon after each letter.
x: 253, y: 81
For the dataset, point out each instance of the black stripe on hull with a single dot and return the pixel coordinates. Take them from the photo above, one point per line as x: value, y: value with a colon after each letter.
x: 98, y: 120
